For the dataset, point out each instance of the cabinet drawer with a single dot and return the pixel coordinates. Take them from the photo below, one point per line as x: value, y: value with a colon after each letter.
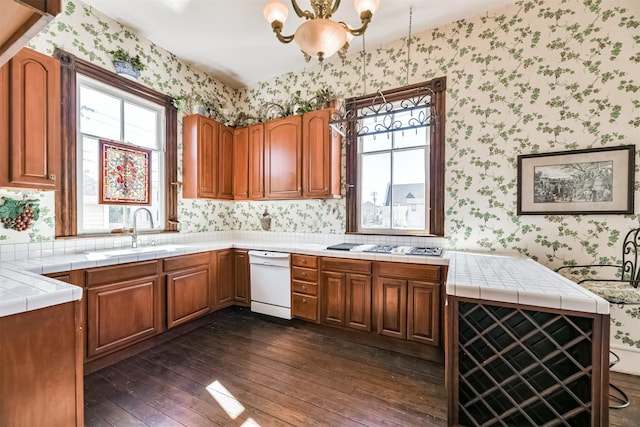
x: 305, y: 274
x: 120, y: 273
x: 307, y: 261
x: 346, y: 265
x: 304, y: 306
x: 425, y: 273
x: 304, y: 287
x: 185, y: 261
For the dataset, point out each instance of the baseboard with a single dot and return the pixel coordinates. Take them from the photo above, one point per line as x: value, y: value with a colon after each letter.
x: 629, y: 359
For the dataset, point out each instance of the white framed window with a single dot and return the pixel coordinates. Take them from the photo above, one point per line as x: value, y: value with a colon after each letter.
x: 104, y: 112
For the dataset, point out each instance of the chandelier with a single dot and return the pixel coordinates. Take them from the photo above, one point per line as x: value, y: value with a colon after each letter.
x: 319, y: 36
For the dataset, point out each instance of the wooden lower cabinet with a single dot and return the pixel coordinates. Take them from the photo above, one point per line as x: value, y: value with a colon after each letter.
x: 345, y: 294
x: 406, y: 308
x: 423, y: 312
x: 333, y: 287
x: 391, y: 307
x: 224, y: 289
x: 358, y: 302
x: 41, y: 367
x: 189, y: 288
x: 124, y: 306
x: 242, y: 284
x: 304, y: 287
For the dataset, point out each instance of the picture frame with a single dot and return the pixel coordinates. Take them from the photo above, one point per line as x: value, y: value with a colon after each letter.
x: 577, y: 182
x: 124, y: 174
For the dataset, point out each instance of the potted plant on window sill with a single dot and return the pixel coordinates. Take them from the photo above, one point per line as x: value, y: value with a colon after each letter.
x: 126, y: 65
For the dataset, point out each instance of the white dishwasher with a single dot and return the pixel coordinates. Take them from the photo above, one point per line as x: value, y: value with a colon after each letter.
x: 271, y: 283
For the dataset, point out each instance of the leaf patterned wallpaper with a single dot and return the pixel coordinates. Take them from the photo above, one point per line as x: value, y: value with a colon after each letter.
x: 535, y: 76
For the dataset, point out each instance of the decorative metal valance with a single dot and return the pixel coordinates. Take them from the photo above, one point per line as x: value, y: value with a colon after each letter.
x: 413, y: 108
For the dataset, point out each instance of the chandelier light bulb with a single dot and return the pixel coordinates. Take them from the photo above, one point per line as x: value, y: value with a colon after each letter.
x: 320, y: 38
x: 366, y: 5
x: 275, y: 11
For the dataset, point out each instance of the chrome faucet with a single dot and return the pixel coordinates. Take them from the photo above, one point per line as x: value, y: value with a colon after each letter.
x: 134, y: 235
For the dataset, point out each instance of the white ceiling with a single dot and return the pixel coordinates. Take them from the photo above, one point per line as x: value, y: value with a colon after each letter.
x: 231, y: 40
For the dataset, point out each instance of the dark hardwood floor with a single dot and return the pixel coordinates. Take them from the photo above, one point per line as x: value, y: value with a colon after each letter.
x: 241, y: 369
x: 268, y: 373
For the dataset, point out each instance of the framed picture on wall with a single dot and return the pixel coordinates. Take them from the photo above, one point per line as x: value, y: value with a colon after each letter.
x: 577, y: 182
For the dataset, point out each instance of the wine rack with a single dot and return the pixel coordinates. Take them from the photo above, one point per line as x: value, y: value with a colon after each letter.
x: 526, y: 367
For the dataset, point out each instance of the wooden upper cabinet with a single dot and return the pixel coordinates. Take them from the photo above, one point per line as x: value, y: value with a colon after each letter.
x: 207, y: 159
x: 241, y: 163
x: 283, y: 158
x: 225, y: 163
x: 200, y: 157
x: 256, y: 161
x: 30, y: 121
x: 320, y: 156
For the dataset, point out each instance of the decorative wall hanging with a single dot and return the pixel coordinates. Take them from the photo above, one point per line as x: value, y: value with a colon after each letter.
x: 577, y: 182
x: 124, y: 174
x: 18, y: 214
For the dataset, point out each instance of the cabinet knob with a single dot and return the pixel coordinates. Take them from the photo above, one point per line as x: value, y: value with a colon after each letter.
x: 52, y: 176
x: 304, y: 288
x: 304, y: 301
x: 304, y: 274
x: 304, y: 261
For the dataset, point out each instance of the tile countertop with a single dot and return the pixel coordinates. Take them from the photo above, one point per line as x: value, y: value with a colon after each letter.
x: 498, y: 278
x: 517, y: 280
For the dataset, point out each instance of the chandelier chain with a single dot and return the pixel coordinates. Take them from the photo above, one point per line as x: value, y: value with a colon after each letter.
x: 364, y: 65
x: 409, y: 44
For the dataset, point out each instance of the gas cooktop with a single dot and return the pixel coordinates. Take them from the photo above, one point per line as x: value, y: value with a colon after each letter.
x: 403, y: 250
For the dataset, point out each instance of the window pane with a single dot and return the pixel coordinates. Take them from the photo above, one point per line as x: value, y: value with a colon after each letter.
x: 140, y: 126
x: 374, y: 181
x: 411, y: 137
x: 373, y: 142
x: 99, y: 114
x: 408, y: 190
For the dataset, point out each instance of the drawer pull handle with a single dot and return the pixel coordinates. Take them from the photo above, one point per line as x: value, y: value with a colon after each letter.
x: 304, y: 261
x: 304, y: 300
x: 304, y: 288
x: 304, y: 274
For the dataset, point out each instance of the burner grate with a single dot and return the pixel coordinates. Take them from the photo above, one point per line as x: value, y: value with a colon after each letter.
x: 425, y: 251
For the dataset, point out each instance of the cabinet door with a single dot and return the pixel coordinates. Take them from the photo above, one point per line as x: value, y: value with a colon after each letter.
x: 122, y: 313
x: 225, y: 163
x: 30, y: 141
x: 391, y: 307
x: 283, y: 158
x: 241, y: 164
x: 423, y: 312
x: 242, y: 294
x: 224, y: 289
x: 200, y: 157
x: 320, y: 156
x: 358, y: 302
x: 188, y: 295
x: 256, y: 161
x: 333, y: 288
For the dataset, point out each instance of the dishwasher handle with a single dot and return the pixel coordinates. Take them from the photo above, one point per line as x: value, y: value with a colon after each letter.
x: 272, y: 259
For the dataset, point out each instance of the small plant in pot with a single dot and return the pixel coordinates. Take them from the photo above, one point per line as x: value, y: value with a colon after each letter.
x: 125, y: 64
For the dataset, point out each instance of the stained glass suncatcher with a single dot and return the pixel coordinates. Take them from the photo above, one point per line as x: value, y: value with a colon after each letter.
x: 124, y: 174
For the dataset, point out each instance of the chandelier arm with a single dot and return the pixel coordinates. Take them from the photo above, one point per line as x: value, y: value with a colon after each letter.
x: 365, y: 18
x: 301, y: 13
x: 277, y: 29
x: 334, y: 8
